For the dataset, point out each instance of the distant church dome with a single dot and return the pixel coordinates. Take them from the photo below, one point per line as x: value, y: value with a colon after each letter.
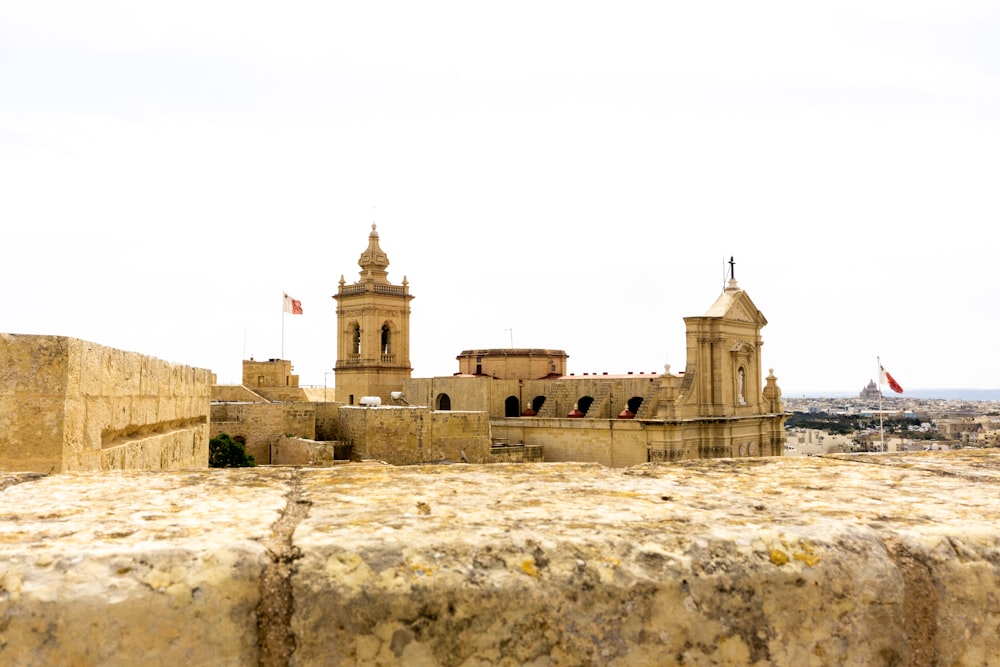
x: 870, y: 392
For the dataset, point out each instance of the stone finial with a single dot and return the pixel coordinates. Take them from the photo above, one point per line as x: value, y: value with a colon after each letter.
x: 772, y: 392
x: 373, y: 260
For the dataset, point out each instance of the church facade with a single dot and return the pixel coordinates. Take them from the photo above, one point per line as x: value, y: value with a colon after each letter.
x: 721, y: 405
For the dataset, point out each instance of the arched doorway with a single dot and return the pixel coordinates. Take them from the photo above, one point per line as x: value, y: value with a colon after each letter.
x: 443, y: 402
x: 512, y: 407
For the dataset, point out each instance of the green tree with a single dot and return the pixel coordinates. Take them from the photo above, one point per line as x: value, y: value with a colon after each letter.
x: 224, y: 452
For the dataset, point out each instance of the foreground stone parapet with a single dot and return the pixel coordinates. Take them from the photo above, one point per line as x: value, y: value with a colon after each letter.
x: 871, y: 560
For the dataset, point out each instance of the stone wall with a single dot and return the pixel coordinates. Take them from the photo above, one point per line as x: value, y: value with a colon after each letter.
x: 610, y: 442
x: 260, y: 425
x: 619, y: 443
x: 69, y: 404
x: 404, y: 436
x: 771, y: 562
x: 313, y: 453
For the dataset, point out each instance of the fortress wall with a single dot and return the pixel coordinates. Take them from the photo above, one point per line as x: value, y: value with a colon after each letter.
x: 409, y: 435
x: 610, y: 442
x: 71, y: 402
x: 261, y: 424
x: 34, y: 373
x: 836, y: 560
x: 234, y: 393
x: 327, y: 420
x: 455, y: 434
x: 280, y: 394
x: 304, y: 452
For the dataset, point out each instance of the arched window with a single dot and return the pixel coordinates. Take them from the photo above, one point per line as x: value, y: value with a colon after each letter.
x: 355, y: 339
x: 537, y: 402
x: 634, y: 403
x: 512, y: 407
x: 385, y: 339
x: 443, y: 402
x: 583, y: 403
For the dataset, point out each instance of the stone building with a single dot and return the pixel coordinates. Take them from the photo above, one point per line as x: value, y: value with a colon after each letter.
x: 373, y: 330
x: 513, y: 404
x: 870, y: 392
x: 721, y: 405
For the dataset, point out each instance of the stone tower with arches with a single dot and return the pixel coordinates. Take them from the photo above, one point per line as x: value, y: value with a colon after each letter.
x: 373, y: 330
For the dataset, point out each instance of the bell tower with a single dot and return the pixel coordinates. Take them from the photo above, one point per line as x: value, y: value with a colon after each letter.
x: 373, y: 330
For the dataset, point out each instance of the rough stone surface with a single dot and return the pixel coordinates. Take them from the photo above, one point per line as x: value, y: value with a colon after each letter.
x: 69, y: 404
x: 863, y: 560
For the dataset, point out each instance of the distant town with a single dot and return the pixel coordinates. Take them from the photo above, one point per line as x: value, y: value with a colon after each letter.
x: 869, y: 421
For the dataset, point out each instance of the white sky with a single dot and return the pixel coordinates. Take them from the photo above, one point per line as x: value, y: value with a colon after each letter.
x: 548, y: 174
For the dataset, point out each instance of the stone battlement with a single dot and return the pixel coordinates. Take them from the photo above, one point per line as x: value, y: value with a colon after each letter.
x: 70, y: 404
x: 875, y: 560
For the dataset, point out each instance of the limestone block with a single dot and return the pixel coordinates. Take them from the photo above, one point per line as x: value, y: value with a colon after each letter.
x: 864, y: 560
x: 135, y: 568
x: 63, y: 400
x: 727, y: 562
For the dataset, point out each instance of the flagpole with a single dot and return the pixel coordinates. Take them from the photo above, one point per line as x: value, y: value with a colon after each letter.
x: 881, y: 424
x: 283, y: 297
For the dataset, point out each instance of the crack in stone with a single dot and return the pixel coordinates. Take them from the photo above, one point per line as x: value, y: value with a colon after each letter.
x: 275, y: 639
x: 920, y: 606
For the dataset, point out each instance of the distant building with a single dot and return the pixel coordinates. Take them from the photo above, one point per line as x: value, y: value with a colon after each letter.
x: 722, y: 405
x: 871, y: 392
x: 507, y: 405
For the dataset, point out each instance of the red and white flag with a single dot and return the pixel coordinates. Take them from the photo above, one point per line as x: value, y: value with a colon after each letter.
x: 889, y: 380
x: 293, y: 306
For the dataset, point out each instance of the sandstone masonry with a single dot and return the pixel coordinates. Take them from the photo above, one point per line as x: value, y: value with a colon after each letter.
x: 69, y: 404
x: 771, y: 562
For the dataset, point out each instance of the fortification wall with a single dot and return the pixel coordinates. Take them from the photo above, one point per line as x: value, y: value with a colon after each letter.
x: 260, y: 425
x: 409, y: 435
x: 69, y: 404
x: 313, y: 453
x: 861, y: 560
x: 327, y: 420
x: 282, y: 393
x: 610, y: 442
x: 234, y: 393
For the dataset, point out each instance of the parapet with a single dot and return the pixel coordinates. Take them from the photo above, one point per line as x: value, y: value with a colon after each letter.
x: 69, y: 404
x: 872, y: 559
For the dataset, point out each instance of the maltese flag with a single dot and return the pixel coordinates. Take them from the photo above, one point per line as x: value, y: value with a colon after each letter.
x: 889, y: 380
x: 293, y: 306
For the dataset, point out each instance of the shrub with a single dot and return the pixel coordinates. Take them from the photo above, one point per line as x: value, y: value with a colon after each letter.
x: 224, y: 452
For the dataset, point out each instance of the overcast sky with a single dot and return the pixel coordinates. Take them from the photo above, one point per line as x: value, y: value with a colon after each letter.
x: 570, y: 175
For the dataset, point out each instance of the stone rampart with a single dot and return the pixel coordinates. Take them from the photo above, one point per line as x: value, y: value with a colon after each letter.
x: 409, y: 435
x: 611, y: 442
x: 316, y: 454
x: 260, y: 425
x: 69, y: 404
x: 864, y: 560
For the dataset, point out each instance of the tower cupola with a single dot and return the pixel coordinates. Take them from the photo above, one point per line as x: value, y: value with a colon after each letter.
x: 374, y: 261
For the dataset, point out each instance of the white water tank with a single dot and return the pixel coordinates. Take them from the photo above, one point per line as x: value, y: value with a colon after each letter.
x: 370, y: 401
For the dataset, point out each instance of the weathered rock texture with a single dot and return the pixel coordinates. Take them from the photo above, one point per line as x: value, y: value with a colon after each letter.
x: 872, y: 560
x: 69, y: 404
